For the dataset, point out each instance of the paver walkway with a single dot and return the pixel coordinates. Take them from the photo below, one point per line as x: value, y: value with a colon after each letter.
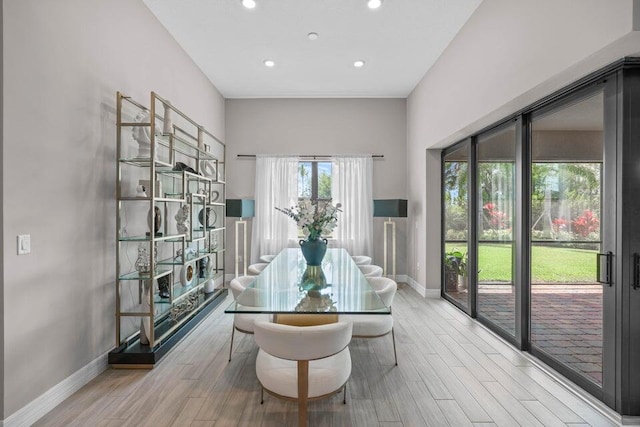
x: 566, y: 321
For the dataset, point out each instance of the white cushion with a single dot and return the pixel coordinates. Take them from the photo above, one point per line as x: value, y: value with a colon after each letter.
x: 369, y: 325
x: 267, y: 258
x: 385, y: 288
x: 371, y: 270
x: 245, y: 321
x: 257, y: 268
x: 362, y: 259
x: 239, y: 284
x: 303, y: 342
x: 325, y: 375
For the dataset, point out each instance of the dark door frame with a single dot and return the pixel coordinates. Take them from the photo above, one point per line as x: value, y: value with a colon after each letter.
x: 621, y: 302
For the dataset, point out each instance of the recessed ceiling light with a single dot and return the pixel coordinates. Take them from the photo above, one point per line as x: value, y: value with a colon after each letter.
x: 269, y: 63
x: 358, y: 64
x: 250, y: 4
x: 374, y: 4
x: 312, y: 36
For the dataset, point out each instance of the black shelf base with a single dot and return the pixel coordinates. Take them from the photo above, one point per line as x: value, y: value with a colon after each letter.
x: 136, y: 355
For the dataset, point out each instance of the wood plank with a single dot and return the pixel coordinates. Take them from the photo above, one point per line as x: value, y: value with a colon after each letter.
x: 455, y: 415
x: 512, y: 405
x: 426, y: 404
x: 460, y: 393
x: 451, y: 371
x: 544, y: 415
x: 540, y: 393
x: 496, y: 411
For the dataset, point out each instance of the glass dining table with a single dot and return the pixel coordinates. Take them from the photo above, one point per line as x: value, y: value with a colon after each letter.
x: 288, y: 287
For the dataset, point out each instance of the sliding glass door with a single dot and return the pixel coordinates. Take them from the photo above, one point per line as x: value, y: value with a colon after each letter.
x: 496, y: 300
x: 571, y: 237
x: 456, y: 225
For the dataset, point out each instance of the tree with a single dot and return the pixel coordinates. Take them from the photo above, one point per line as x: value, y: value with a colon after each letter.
x: 324, y: 186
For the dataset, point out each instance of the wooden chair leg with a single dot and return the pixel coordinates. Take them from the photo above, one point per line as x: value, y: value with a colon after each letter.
x: 344, y: 397
x: 233, y: 331
x: 393, y: 337
x: 303, y: 391
x: 261, y: 395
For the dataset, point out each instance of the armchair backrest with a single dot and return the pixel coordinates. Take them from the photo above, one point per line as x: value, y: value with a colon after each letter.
x: 239, y: 284
x: 385, y: 288
x: 302, y: 342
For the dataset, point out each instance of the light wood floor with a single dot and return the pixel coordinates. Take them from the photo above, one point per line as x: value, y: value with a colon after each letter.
x: 451, y: 372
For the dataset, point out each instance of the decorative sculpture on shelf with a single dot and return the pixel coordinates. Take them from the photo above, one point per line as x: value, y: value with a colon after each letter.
x: 155, y: 221
x: 167, y: 124
x: 164, y: 283
x: 182, y: 219
x: 142, y: 134
x: 207, y: 217
x: 143, y: 263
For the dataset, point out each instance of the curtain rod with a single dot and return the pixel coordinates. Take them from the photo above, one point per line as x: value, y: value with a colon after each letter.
x: 313, y: 156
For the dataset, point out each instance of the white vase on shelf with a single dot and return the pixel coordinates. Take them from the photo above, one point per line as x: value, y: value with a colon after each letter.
x: 145, y: 321
x: 142, y: 134
x: 167, y: 124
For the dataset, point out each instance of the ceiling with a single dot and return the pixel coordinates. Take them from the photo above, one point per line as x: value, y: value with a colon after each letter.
x: 399, y: 42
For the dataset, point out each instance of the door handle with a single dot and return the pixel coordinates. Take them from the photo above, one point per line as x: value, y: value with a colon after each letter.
x: 608, y: 256
x: 636, y: 271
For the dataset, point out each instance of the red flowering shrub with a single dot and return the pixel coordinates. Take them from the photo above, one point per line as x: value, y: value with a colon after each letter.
x: 586, y: 224
x: 496, y: 218
x: 559, y: 224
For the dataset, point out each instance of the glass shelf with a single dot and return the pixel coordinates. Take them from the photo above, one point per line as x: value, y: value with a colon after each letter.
x: 145, y: 162
x: 183, y: 146
x: 193, y: 145
x: 135, y: 275
x: 180, y: 291
x: 167, y: 238
x: 157, y: 199
x: 189, y: 258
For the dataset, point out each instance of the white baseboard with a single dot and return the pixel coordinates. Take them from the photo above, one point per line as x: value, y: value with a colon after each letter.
x: 421, y: 289
x: 400, y: 278
x: 629, y: 420
x: 37, y: 408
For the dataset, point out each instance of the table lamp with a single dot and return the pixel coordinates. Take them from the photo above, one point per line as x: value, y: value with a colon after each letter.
x: 390, y: 208
x: 241, y: 208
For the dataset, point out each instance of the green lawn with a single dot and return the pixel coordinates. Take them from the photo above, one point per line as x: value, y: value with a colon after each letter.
x: 550, y: 264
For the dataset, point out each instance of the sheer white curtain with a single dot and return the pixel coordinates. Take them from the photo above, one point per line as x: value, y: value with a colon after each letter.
x: 276, y: 186
x: 351, y: 185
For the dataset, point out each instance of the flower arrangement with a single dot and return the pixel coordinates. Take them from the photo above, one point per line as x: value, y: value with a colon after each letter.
x: 315, y: 219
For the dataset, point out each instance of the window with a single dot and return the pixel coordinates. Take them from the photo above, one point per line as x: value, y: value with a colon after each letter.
x: 314, y: 180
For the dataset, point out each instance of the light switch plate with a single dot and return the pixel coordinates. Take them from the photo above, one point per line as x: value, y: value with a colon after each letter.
x: 24, y: 244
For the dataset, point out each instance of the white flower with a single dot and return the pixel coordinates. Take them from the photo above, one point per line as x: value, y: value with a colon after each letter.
x: 315, y: 219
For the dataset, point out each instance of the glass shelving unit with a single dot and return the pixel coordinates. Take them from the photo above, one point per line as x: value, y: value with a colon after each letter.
x: 170, y: 236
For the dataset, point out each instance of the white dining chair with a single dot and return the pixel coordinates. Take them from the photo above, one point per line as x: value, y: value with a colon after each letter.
x: 267, y: 258
x: 303, y: 363
x: 255, y: 269
x: 243, y: 322
x: 371, y: 270
x: 362, y: 260
x: 376, y: 325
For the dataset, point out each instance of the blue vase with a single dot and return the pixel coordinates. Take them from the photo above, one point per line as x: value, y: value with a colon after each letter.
x: 313, y: 279
x: 313, y: 250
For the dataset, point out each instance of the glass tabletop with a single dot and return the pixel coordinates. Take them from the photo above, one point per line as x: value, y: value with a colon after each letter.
x: 288, y: 285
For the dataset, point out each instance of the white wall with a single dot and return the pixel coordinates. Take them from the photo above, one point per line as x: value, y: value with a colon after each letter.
x: 1, y: 212
x: 63, y: 63
x: 509, y: 54
x: 320, y: 126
